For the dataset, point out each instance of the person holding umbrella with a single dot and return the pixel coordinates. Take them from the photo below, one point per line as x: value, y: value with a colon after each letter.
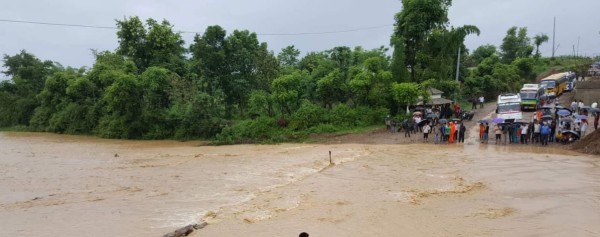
x: 498, y: 133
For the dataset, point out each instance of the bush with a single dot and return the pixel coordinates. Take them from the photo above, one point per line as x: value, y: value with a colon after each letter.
x: 249, y: 131
x: 307, y: 116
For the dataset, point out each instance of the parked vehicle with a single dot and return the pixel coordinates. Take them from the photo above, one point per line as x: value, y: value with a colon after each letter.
x: 530, y: 95
x: 509, y: 107
x: 555, y: 84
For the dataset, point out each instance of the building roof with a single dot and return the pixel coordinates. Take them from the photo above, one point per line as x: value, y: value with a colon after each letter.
x: 434, y: 91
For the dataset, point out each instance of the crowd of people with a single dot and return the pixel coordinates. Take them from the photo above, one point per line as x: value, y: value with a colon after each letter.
x: 549, y: 124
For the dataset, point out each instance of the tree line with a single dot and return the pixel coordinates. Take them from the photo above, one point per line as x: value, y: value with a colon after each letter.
x: 233, y: 88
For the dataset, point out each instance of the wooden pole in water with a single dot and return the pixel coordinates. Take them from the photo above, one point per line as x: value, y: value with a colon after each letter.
x: 330, y: 158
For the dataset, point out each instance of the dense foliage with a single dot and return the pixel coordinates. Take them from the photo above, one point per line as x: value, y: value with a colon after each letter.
x: 232, y: 88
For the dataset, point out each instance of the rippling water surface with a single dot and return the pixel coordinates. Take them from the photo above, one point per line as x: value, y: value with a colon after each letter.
x: 54, y: 185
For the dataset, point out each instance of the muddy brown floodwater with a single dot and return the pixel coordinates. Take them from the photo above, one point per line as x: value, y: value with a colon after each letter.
x: 56, y: 185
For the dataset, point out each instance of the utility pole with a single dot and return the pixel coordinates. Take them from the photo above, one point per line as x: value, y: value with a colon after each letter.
x: 554, y: 38
x: 457, y: 73
x: 578, y: 40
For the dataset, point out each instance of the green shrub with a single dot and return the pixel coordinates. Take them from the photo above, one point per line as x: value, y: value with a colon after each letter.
x: 249, y: 131
x: 307, y: 116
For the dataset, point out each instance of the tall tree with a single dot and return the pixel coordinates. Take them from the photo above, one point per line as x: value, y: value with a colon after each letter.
x: 416, y: 20
x: 538, y: 40
x: 289, y: 56
x: 481, y: 53
x: 209, y: 59
x: 515, y: 45
x: 398, y: 66
x: 155, y: 44
x: 27, y: 78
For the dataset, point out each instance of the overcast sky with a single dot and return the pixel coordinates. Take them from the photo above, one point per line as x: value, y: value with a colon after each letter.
x: 71, y: 46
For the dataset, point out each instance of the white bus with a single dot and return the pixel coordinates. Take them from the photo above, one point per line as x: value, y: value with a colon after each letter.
x: 509, y: 107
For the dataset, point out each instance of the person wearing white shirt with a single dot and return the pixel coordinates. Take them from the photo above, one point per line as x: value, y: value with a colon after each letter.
x: 595, y: 105
x: 524, y: 137
x: 579, y: 106
x: 574, y: 106
x: 583, y: 128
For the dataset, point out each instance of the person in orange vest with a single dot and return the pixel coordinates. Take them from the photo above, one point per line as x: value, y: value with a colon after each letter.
x: 452, y: 130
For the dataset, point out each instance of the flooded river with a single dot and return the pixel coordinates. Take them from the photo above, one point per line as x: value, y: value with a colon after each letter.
x: 56, y: 185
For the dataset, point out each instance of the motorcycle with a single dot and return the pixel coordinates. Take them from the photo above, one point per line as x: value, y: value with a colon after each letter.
x: 468, y: 115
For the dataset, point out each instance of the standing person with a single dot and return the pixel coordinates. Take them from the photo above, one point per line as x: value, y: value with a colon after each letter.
x: 481, y: 132
x: 461, y: 133
x: 457, y: 126
x: 474, y: 105
x: 544, y: 131
x: 583, y: 128
x: 407, y: 128
x: 417, y: 121
x: 481, y: 101
x: 595, y: 105
x: 426, y: 130
x: 536, y: 132
x: 552, y: 131
x: 436, y: 131
x: 596, y: 121
x: 511, y: 138
x: 518, y: 133
x: 580, y: 106
x: 447, y: 133
x: 504, y: 133
x: 394, y: 125
x: 574, y: 106
x: 486, y: 133
x: 498, y: 133
x: 451, y: 134
x: 388, y: 123
x: 524, y: 129
x: 456, y: 109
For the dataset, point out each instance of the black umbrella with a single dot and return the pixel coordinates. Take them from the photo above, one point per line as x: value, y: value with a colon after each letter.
x: 423, y: 122
x: 432, y: 115
x: 545, y: 107
x: 442, y: 121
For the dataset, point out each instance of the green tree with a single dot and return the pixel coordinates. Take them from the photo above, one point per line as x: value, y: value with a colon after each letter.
x: 515, y: 45
x: 331, y: 89
x: 481, y: 53
x: 289, y: 56
x: 407, y: 93
x: 27, y: 78
x: 414, y: 23
x: 287, y: 92
x: 123, y: 108
x: 538, y: 40
x: 398, y: 65
x: 155, y: 44
x: 209, y: 58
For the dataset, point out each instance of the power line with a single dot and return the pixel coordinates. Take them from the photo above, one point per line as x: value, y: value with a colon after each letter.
x: 57, y: 24
x: 195, y: 32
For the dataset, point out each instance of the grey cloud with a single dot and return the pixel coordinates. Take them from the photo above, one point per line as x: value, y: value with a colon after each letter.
x: 71, y: 46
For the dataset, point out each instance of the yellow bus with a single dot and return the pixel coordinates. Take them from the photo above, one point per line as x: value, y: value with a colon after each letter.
x: 556, y: 84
